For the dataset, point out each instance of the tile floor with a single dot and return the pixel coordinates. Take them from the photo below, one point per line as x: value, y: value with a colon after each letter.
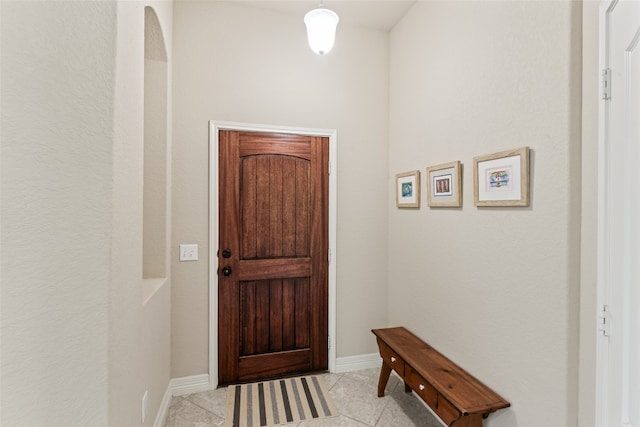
x: 354, y: 393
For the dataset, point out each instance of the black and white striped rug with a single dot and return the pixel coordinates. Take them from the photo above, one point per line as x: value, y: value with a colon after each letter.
x: 278, y: 402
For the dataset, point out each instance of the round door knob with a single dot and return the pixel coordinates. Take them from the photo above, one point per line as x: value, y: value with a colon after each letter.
x: 421, y: 387
x: 226, y: 253
x: 393, y: 359
x: 226, y: 271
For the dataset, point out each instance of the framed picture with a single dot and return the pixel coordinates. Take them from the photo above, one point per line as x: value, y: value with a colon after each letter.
x: 444, y: 188
x: 502, y: 179
x: 408, y: 189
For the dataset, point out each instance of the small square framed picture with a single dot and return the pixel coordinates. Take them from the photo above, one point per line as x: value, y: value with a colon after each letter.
x: 444, y: 185
x: 502, y: 179
x: 408, y: 189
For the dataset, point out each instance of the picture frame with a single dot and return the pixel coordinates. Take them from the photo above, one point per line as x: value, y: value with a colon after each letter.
x: 408, y: 189
x: 444, y: 187
x: 502, y: 179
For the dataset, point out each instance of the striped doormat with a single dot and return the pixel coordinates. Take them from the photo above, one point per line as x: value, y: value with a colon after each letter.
x: 278, y: 402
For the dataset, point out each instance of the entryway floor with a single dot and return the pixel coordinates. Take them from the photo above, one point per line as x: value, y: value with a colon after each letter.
x: 354, y: 393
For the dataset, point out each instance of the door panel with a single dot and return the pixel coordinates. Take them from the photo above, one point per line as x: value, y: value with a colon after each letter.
x: 273, y: 301
x: 274, y: 193
x: 262, y: 307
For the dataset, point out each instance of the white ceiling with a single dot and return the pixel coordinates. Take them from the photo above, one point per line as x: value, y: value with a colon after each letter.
x: 378, y: 14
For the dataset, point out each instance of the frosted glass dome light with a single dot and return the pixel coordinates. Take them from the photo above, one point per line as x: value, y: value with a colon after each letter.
x: 321, y: 29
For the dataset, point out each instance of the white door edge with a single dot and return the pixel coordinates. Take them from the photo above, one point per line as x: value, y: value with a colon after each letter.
x: 603, y: 221
x: 616, y: 401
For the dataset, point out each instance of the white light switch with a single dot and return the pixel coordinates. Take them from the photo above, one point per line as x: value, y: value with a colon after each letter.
x: 189, y: 252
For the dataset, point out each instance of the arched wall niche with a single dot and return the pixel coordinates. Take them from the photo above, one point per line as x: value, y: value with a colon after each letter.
x: 154, y: 47
x: 155, y: 182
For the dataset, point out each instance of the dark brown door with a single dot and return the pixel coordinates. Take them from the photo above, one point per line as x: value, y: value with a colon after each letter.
x: 273, y: 254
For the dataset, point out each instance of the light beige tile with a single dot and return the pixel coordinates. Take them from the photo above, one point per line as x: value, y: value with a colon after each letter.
x: 183, y: 413
x: 354, y: 393
x: 175, y: 400
x: 406, y: 410
x: 358, y: 400
x: 214, y: 401
x: 330, y: 378
x: 370, y: 376
x: 339, y: 421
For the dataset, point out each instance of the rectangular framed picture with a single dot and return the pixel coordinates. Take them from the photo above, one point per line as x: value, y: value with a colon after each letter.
x: 408, y: 189
x: 444, y: 185
x: 502, y: 179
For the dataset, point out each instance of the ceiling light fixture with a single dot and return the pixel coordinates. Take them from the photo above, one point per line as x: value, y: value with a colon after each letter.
x: 321, y: 29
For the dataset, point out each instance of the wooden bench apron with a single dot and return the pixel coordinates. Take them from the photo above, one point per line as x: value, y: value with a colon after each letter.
x: 457, y: 397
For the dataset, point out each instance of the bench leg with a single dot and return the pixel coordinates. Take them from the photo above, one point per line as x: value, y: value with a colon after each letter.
x: 384, y: 377
x: 468, y: 421
x: 407, y: 389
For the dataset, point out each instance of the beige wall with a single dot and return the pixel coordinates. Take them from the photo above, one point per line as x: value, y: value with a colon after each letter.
x: 589, y: 217
x: 79, y: 347
x: 155, y: 169
x: 240, y: 64
x: 139, y: 334
x: 496, y: 289
x: 57, y: 148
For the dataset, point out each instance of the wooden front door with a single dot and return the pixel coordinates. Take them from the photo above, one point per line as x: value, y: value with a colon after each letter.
x: 273, y: 254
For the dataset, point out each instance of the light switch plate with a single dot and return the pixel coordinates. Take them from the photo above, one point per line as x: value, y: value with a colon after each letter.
x: 189, y: 252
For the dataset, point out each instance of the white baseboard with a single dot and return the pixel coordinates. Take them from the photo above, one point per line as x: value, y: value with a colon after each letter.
x: 356, y: 363
x: 198, y: 383
x: 161, y: 416
x: 188, y: 385
x: 179, y: 387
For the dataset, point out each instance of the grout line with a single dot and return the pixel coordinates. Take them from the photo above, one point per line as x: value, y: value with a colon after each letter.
x: 384, y: 408
x: 201, y: 407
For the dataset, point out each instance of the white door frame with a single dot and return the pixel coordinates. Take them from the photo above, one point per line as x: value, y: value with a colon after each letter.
x: 604, y: 224
x: 604, y: 221
x: 607, y: 276
x: 214, y: 128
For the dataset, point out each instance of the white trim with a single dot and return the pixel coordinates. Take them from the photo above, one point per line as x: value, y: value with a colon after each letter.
x: 180, y: 387
x: 163, y: 410
x: 357, y: 363
x: 604, y: 221
x: 214, y: 127
x: 188, y: 385
x: 333, y: 221
x: 213, y: 261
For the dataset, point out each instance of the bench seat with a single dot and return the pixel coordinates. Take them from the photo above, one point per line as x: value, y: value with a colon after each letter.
x: 458, y: 398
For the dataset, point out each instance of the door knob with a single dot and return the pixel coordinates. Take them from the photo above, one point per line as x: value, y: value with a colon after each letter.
x: 226, y: 253
x: 226, y: 271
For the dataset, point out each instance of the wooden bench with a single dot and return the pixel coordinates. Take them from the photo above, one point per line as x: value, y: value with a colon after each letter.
x: 457, y: 397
